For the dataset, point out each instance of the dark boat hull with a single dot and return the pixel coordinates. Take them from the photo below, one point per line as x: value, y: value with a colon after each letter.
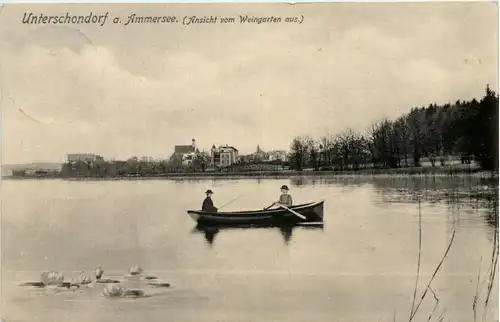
x: 312, y: 211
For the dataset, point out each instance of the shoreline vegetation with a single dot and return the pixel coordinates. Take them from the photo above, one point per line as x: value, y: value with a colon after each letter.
x: 469, y: 170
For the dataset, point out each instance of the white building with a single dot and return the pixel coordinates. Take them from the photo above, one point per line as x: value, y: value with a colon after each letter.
x: 280, y: 155
x: 224, y: 156
x: 187, y: 153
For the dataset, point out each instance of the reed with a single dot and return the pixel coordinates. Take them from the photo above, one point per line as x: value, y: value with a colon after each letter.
x: 476, y: 297
x: 490, y: 281
x: 416, y: 307
x: 419, y: 256
x: 491, y: 272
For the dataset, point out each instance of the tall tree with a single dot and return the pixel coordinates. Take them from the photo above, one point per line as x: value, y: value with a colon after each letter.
x: 299, y: 155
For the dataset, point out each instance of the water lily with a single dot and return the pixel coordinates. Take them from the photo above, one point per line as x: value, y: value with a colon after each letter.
x: 52, y: 277
x: 113, y: 291
x: 82, y: 279
x: 98, y: 272
x: 117, y: 291
x: 135, y: 270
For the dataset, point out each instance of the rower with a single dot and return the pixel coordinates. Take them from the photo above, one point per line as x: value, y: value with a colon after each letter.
x: 208, y: 204
x: 285, y: 198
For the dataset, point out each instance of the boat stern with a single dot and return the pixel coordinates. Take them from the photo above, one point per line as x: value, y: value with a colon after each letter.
x: 319, y: 211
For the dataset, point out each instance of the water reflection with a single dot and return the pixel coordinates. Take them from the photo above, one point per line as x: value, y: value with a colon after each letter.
x: 286, y: 231
x: 460, y: 193
x: 468, y: 194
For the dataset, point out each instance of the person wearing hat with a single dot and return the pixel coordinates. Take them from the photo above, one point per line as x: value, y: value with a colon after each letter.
x: 285, y: 198
x: 208, y: 204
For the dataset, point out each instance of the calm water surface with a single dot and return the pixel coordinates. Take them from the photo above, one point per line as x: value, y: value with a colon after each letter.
x: 360, y: 267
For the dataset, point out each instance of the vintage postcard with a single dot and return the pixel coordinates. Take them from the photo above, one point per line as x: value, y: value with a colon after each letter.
x: 232, y: 162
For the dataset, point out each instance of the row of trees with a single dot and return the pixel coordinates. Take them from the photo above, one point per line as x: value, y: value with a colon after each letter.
x: 465, y: 129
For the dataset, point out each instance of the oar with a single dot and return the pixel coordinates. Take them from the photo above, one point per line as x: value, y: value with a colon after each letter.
x: 292, y: 211
x: 270, y: 206
x: 230, y: 202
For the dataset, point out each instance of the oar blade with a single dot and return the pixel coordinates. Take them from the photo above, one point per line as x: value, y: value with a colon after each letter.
x: 293, y: 212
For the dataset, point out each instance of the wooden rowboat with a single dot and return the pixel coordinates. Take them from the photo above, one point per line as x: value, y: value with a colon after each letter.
x: 313, y: 212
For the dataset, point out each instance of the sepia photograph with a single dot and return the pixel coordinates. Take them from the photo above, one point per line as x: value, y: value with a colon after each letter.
x: 249, y: 162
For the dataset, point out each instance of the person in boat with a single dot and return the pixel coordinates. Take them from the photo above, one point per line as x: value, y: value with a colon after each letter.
x: 208, y: 204
x: 285, y: 198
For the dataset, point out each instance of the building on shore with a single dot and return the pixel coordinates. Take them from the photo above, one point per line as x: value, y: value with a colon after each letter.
x: 223, y: 156
x: 35, y: 173
x: 19, y: 173
x: 262, y: 156
x: 147, y: 159
x: 278, y: 155
x: 84, y: 157
x: 259, y: 154
x: 186, y: 153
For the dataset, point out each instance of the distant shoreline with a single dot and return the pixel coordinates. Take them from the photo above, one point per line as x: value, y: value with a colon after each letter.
x: 394, y: 172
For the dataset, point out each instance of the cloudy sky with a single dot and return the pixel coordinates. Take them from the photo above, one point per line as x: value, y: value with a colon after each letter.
x: 138, y: 90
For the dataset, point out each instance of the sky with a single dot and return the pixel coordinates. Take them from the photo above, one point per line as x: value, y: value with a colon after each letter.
x: 138, y: 90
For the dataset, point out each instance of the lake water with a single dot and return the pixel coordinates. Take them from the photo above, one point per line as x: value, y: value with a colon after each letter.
x: 360, y: 266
